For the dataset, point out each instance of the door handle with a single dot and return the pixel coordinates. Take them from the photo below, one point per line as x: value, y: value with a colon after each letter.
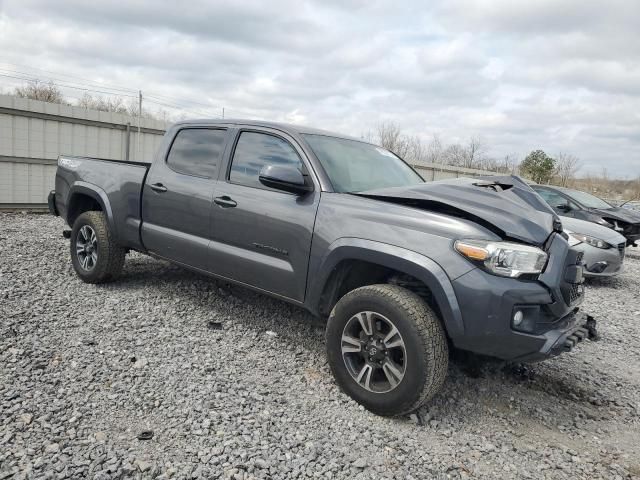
x: 158, y: 187
x: 225, y: 201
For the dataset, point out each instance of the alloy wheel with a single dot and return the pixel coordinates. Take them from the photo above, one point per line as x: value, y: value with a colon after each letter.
x: 374, y: 352
x: 87, y: 248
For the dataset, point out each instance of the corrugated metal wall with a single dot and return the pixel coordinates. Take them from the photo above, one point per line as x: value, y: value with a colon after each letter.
x: 437, y: 171
x: 33, y: 134
x: 23, y: 184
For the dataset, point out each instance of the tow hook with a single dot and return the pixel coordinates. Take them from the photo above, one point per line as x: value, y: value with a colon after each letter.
x: 586, y: 331
x: 591, y: 328
x: 66, y: 234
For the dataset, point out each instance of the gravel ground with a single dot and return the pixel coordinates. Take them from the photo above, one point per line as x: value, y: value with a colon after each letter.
x: 235, y: 385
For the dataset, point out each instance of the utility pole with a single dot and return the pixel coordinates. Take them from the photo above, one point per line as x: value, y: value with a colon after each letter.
x: 223, y: 113
x: 139, y: 116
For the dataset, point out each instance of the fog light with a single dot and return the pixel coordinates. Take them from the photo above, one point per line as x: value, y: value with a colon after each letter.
x: 517, y: 318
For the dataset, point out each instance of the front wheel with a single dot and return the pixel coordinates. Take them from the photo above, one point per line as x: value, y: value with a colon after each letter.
x: 95, y: 255
x: 387, y: 349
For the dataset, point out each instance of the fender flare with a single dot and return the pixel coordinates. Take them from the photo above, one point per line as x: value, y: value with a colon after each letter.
x: 99, y: 195
x: 397, y: 258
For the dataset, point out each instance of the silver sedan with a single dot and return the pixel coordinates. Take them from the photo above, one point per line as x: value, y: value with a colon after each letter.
x: 603, y: 248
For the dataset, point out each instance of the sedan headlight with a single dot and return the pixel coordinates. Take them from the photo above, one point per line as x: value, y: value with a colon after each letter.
x: 506, y: 259
x: 588, y: 239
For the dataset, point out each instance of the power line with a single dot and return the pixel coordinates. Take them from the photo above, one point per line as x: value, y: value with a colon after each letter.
x: 86, y: 89
x: 116, y: 90
x: 100, y: 84
x: 33, y: 78
x: 184, y: 100
x: 103, y: 86
x: 153, y: 99
x: 63, y: 85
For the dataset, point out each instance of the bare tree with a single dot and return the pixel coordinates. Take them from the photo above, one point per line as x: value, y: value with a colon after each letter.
x: 434, y: 151
x: 119, y: 105
x: 45, y: 92
x: 471, y: 155
x: 507, y: 165
x: 415, y: 150
x: 104, y: 104
x: 455, y: 155
x: 389, y: 136
x: 567, y: 166
x: 475, y: 153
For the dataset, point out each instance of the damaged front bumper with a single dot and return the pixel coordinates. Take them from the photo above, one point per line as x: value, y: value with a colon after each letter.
x: 525, y: 319
x: 570, y: 331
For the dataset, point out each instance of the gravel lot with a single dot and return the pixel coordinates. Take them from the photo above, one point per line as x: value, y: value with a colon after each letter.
x: 85, y: 369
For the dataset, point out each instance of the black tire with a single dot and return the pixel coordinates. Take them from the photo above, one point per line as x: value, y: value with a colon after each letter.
x: 110, y: 256
x: 425, y: 345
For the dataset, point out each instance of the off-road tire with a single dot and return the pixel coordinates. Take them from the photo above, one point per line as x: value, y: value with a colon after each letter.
x: 425, y: 341
x: 110, y: 254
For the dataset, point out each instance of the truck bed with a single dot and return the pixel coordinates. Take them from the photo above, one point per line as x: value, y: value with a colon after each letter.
x: 115, y: 184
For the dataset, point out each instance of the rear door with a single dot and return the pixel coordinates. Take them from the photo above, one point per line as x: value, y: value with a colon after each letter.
x: 177, y: 195
x: 261, y: 236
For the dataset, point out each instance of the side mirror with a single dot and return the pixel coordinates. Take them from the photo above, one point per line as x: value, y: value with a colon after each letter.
x: 284, y: 177
x: 563, y: 207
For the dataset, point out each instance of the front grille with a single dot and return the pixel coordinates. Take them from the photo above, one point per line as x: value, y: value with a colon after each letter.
x: 572, y: 292
x: 575, y: 293
x: 577, y: 289
x: 622, y: 249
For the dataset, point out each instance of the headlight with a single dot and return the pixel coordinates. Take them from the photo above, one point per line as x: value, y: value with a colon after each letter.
x: 589, y: 240
x: 503, y: 258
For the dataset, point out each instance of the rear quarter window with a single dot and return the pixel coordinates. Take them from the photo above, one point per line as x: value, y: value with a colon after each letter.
x: 197, y: 151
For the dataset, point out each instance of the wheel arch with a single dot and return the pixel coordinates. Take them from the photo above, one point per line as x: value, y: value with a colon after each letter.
x: 84, y: 197
x: 377, y: 258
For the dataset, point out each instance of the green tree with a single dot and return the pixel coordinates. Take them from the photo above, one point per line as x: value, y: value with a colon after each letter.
x: 538, y: 166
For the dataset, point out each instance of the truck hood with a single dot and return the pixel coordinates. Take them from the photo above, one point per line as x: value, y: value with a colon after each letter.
x: 506, y: 205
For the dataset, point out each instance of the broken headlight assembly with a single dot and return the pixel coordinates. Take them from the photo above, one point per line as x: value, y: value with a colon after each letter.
x: 505, y: 259
x: 576, y: 238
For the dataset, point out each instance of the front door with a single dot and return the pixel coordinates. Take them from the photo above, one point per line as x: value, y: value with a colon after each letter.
x: 560, y: 204
x: 176, y: 200
x: 261, y: 236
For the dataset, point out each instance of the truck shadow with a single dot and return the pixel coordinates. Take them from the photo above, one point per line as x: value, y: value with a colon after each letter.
x: 554, y: 390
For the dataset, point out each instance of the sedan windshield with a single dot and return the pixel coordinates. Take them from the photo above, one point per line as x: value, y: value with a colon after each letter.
x: 355, y: 166
x: 587, y: 200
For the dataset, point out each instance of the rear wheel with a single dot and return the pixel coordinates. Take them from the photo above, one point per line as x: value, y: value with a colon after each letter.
x: 95, y: 256
x: 387, y: 349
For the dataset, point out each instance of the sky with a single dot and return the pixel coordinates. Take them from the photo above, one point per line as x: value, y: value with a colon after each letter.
x: 557, y: 75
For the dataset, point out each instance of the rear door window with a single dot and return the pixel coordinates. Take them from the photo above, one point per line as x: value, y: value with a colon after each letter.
x: 197, y: 151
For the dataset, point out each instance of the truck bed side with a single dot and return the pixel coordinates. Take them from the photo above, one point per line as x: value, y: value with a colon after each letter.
x: 116, y: 186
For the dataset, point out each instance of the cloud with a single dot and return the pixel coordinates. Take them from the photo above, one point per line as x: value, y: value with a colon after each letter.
x: 562, y: 76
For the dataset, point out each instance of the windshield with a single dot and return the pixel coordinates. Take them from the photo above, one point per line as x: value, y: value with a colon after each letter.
x: 355, y: 166
x: 588, y: 200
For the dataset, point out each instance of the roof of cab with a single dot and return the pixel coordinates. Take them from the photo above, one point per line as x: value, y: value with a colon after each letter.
x: 284, y: 127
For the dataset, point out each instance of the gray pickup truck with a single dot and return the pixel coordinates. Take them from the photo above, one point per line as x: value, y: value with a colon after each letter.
x: 404, y: 270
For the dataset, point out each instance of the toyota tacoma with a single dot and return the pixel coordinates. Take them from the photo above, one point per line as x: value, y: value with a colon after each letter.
x: 403, y: 270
